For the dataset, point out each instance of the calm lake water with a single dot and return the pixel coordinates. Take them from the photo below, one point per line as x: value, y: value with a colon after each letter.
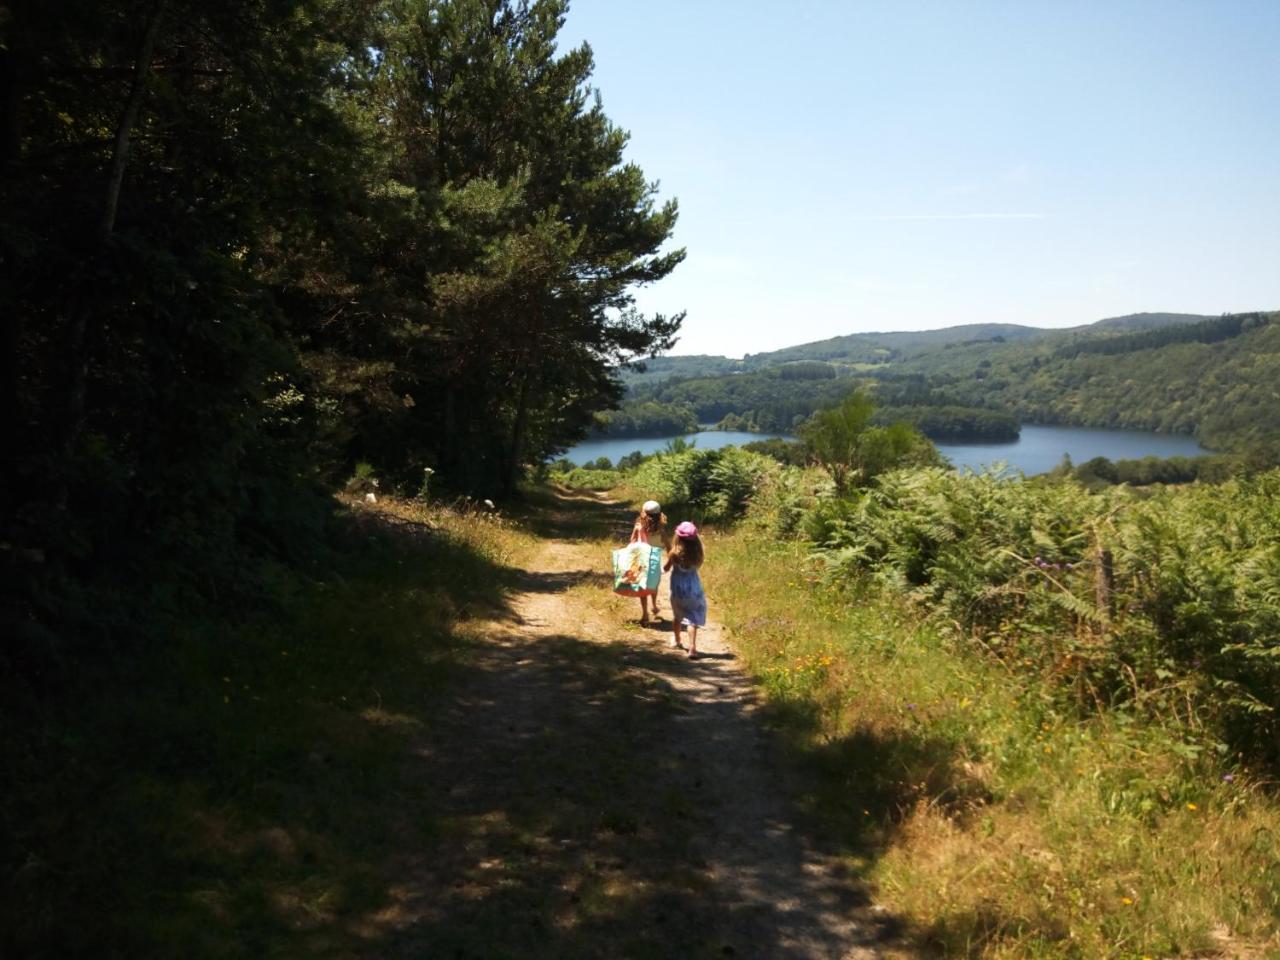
x: 1037, y: 450
x: 615, y: 447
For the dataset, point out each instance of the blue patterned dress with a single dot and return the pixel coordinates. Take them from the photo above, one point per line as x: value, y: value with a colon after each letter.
x: 688, y: 602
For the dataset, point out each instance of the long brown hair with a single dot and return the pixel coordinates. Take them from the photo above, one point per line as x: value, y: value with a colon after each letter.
x: 652, y: 523
x: 687, y: 553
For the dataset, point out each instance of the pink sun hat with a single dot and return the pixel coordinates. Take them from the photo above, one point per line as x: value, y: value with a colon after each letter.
x: 686, y: 530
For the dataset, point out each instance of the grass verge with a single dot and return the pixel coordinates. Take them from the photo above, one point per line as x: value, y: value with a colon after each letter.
x: 994, y: 824
x: 231, y: 790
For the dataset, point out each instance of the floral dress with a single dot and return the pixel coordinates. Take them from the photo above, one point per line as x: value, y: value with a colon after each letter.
x: 688, y: 602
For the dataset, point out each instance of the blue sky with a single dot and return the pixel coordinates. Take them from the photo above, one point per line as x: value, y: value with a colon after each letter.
x: 855, y: 166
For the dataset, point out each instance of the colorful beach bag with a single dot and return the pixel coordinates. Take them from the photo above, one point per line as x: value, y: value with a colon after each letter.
x: 637, y: 568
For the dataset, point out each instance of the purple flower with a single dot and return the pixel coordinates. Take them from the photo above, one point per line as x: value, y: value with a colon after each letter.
x: 1070, y: 566
x: 911, y: 706
x: 1228, y: 778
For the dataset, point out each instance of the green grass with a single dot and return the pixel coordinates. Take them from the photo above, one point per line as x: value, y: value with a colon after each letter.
x: 233, y: 790
x: 992, y: 822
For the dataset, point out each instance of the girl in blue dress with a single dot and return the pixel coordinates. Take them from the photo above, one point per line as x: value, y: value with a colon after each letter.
x: 688, y: 602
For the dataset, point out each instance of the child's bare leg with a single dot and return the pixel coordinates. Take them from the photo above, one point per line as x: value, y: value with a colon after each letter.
x: 675, y: 633
x: 693, y: 639
x: 644, y: 611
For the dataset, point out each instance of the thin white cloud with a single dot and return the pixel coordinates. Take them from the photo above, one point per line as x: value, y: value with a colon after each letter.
x: 949, y: 216
x: 1020, y: 173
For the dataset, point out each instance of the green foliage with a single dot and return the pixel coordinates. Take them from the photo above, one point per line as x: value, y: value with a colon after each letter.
x: 763, y: 401
x: 590, y: 478
x: 1174, y: 373
x: 1190, y: 616
x: 788, y: 452
x: 779, y: 399
x: 631, y: 460
x: 647, y: 418
x: 362, y: 480
x: 990, y: 817
x: 711, y: 484
x: 216, y: 788
x: 212, y: 314
x: 951, y: 423
x: 1214, y: 379
x: 853, y: 451
x: 1149, y: 470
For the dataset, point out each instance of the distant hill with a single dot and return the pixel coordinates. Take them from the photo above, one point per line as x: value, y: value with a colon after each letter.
x: 1147, y: 321
x: 857, y: 349
x: 663, y: 368
x: 1217, y: 377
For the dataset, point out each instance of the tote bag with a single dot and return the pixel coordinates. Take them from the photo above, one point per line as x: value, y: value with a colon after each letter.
x: 637, y: 568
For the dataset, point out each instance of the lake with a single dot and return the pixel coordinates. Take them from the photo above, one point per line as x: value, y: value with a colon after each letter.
x: 615, y: 447
x: 1037, y: 450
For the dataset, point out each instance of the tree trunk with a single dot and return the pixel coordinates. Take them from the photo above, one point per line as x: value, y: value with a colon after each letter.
x: 10, y: 152
x: 81, y: 302
x: 128, y: 119
x: 518, y: 429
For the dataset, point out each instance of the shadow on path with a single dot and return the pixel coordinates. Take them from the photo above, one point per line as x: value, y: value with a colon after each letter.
x: 589, y: 793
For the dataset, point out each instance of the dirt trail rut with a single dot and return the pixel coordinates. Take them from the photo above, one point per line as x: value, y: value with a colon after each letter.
x: 589, y: 792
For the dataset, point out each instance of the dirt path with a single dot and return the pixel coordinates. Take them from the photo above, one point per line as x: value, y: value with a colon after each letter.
x: 590, y: 792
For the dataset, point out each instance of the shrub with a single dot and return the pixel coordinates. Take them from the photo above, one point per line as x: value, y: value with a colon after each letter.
x: 1169, y: 601
x: 362, y: 480
x: 714, y: 484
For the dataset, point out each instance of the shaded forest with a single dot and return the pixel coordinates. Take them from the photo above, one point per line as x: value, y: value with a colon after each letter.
x: 244, y: 247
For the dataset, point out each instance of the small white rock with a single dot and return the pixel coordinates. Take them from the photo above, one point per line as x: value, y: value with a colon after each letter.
x: 370, y: 498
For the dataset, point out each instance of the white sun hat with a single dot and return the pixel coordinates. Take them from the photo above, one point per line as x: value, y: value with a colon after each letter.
x: 652, y: 506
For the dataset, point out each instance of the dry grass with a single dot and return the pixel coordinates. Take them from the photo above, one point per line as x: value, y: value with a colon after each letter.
x: 995, y: 824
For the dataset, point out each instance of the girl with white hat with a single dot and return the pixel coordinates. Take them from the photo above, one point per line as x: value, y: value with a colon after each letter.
x: 651, y: 528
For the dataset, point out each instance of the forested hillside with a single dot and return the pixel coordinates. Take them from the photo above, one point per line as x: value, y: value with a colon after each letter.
x: 860, y: 351
x: 1213, y: 377
x: 246, y: 247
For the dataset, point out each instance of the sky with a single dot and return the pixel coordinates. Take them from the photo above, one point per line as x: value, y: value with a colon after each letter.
x: 845, y: 167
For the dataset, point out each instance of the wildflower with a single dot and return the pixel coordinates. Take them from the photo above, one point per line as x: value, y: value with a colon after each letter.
x: 1192, y: 806
x: 911, y: 706
x: 1127, y: 901
x: 1228, y: 778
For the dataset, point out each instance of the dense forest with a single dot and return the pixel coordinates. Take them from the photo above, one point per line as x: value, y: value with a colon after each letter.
x: 780, y: 399
x: 246, y: 247
x: 1212, y: 377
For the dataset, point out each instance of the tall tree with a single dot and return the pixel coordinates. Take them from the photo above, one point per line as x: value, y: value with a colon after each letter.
x: 521, y: 236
